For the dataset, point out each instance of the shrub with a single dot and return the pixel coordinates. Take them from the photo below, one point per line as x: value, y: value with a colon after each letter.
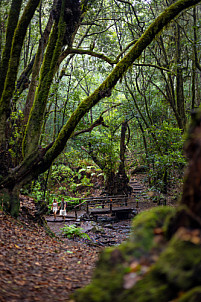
x: 72, y: 231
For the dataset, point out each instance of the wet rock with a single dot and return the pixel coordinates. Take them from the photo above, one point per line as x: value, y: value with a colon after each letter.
x: 97, y: 229
x: 106, y: 219
x: 110, y: 226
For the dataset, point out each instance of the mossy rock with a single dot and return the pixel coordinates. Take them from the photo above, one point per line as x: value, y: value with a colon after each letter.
x: 178, y: 270
x: 115, y: 263
x: 145, y: 223
x: 180, y: 263
x: 193, y: 295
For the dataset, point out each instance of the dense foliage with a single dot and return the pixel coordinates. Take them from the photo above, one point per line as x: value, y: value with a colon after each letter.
x: 54, y: 55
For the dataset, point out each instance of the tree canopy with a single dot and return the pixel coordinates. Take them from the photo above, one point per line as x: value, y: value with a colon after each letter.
x: 60, y: 58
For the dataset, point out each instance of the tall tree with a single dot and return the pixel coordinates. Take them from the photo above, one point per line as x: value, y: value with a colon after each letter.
x: 67, y: 19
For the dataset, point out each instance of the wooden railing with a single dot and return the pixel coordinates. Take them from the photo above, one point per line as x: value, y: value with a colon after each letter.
x: 108, y: 201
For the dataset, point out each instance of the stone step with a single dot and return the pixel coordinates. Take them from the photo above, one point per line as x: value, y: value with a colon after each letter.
x: 138, y: 189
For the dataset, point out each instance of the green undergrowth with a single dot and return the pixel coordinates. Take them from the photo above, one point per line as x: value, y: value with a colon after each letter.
x: 72, y: 231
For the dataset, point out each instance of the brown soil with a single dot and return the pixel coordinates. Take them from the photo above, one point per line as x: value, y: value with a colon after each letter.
x: 35, y: 267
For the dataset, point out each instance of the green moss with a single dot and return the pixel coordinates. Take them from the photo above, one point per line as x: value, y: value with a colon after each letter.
x: 11, y: 202
x: 181, y: 263
x: 178, y: 269
x: 104, y: 288
x: 144, y: 224
x: 149, y: 289
x: 193, y: 295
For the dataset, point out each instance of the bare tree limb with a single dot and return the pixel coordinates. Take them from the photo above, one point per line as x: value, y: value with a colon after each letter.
x: 98, y: 122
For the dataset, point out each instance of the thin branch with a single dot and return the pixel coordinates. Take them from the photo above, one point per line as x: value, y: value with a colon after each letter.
x: 98, y: 122
x: 91, y: 53
x: 125, y: 49
x: 155, y: 66
x: 100, y: 32
x: 114, y: 106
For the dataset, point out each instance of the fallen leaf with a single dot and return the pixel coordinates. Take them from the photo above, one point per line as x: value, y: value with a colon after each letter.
x: 130, y: 280
x: 20, y: 282
x: 135, y: 267
x: 158, y: 231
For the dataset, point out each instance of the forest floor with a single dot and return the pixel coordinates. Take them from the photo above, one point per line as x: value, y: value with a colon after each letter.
x: 36, y: 267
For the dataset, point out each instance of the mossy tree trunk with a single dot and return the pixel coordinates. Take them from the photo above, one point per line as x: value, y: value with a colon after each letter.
x: 190, y: 213
x: 61, y: 35
x: 38, y: 160
x: 12, y: 23
x: 11, y: 75
x: 36, y: 67
x: 10, y: 198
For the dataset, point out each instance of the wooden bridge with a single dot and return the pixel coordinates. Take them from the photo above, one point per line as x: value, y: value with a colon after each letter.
x: 119, y: 206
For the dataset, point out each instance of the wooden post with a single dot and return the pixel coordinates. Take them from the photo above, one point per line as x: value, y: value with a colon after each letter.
x: 110, y: 205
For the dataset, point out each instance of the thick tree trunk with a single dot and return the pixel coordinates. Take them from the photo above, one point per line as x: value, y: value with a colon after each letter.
x: 117, y: 184
x: 190, y: 213
x: 11, y: 26
x: 9, y: 85
x: 62, y: 32
x: 36, y: 69
x: 192, y: 184
x: 10, y: 200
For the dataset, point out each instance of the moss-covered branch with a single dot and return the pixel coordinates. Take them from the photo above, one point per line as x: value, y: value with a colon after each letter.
x: 105, y: 88
x: 97, y: 123
x: 91, y: 53
x: 154, y: 66
x: 101, y: 56
x: 37, y: 113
